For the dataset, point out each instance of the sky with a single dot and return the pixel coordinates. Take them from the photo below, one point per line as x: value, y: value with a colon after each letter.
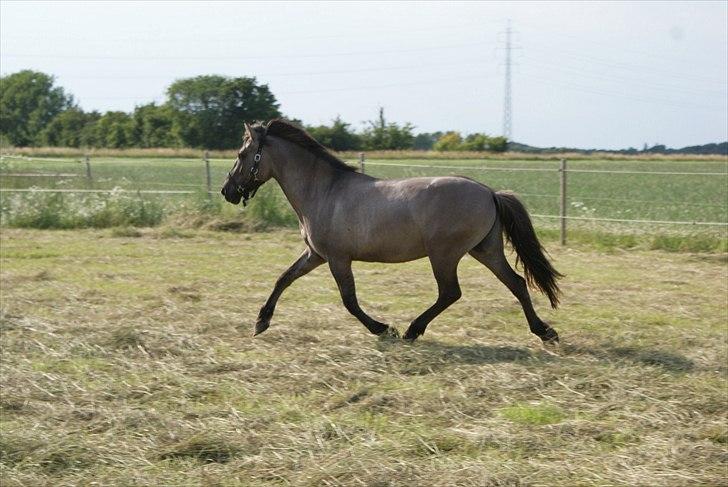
x: 584, y: 74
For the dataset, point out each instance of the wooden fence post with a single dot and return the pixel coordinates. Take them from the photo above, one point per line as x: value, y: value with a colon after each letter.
x: 562, y: 202
x: 207, y: 173
x: 88, y: 167
x: 361, y: 162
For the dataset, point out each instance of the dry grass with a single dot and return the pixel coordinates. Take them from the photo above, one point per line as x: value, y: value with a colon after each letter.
x: 184, y: 152
x: 122, y: 365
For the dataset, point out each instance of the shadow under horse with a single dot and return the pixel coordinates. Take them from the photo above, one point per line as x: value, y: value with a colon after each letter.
x: 347, y: 216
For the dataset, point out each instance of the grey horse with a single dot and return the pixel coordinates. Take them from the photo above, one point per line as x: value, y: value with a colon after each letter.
x: 348, y: 216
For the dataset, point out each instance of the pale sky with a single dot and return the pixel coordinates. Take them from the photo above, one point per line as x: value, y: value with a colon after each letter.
x: 590, y: 75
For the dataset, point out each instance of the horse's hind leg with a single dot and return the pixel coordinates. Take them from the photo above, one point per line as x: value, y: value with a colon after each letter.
x: 341, y: 270
x: 490, y: 253
x: 446, y: 275
x: 308, y: 261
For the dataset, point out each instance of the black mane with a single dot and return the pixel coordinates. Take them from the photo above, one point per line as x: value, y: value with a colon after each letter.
x: 292, y: 133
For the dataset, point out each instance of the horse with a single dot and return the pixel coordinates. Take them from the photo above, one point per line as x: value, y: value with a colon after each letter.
x: 347, y: 216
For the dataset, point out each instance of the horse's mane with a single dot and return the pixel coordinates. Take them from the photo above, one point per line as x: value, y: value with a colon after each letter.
x: 287, y: 130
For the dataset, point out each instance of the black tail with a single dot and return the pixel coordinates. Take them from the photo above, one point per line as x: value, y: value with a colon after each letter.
x: 520, y: 234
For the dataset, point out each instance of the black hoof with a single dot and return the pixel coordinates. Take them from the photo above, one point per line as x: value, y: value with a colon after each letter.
x: 550, y: 337
x: 377, y: 328
x: 261, y: 326
x: 411, y: 335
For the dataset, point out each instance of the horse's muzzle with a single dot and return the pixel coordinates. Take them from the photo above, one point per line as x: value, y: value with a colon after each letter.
x: 231, y: 194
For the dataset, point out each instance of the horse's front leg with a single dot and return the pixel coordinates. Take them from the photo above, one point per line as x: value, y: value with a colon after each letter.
x: 308, y: 261
x: 341, y: 270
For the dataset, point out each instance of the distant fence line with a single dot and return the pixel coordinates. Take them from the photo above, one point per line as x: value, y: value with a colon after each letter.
x: 541, y: 169
x: 562, y: 170
x: 103, y: 191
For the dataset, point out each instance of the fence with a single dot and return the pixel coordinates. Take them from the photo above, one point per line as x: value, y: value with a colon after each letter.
x: 563, y: 170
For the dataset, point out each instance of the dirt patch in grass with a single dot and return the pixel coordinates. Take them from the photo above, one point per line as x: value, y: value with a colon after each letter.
x: 206, y: 448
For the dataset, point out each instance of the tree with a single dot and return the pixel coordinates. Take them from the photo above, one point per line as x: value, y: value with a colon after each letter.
x: 497, y: 144
x: 114, y: 130
x: 70, y: 128
x: 209, y: 111
x: 425, y: 141
x: 381, y: 135
x: 152, y: 126
x: 475, y: 142
x: 337, y: 137
x: 28, y: 102
x: 449, y: 141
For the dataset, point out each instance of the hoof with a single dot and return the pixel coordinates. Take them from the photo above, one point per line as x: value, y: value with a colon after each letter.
x: 411, y: 335
x: 378, y: 329
x: 550, y: 337
x: 260, y: 327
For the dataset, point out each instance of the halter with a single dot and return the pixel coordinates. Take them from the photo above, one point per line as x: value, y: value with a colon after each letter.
x: 249, y: 193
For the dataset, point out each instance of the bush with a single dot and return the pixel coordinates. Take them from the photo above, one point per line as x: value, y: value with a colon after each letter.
x: 59, y: 211
x: 453, y: 141
x: 123, y: 211
x: 383, y: 135
x: 449, y: 141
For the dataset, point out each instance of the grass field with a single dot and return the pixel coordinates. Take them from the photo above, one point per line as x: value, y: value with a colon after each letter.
x: 122, y: 364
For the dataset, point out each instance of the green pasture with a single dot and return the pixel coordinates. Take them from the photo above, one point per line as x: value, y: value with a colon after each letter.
x: 127, y: 360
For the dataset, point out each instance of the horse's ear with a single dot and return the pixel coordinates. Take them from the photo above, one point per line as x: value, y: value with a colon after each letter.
x: 249, y: 132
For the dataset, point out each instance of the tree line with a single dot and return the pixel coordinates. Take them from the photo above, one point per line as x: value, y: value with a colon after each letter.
x: 204, y: 112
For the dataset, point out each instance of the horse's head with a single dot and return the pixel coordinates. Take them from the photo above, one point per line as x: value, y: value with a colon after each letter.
x: 249, y: 171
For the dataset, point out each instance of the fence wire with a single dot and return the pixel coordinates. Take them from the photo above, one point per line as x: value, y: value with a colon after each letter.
x: 554, y: 170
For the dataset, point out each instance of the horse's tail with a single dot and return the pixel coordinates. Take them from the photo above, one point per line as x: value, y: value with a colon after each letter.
x: 519, y: 232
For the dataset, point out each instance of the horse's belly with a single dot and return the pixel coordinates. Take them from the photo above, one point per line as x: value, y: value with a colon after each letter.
x: 402, y: 252
x: 391, y: 240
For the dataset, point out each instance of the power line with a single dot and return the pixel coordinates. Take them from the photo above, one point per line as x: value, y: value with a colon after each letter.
x: 582, y: 88
x: 348, y: 35
x: 299, y: 73
x: 609, y: 76
x: 429, y: 81
x: 389, y: 85
x: 507, y: 116
x: 580, y: 40
x: 238, y: 57
x: 626, y: 66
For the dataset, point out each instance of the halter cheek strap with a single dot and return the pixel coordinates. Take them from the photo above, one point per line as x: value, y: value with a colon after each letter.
x: 254, y: 171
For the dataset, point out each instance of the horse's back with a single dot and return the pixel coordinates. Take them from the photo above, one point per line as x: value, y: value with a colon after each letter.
x: 452, y: 207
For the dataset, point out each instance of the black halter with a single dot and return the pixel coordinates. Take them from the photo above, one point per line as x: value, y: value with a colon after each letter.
x: 253, y: 181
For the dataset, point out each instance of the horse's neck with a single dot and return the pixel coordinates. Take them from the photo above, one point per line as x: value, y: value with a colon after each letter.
x: 303, y: 178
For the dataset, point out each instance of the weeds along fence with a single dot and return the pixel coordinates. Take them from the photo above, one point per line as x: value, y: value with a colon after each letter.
x: 667, y: 193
